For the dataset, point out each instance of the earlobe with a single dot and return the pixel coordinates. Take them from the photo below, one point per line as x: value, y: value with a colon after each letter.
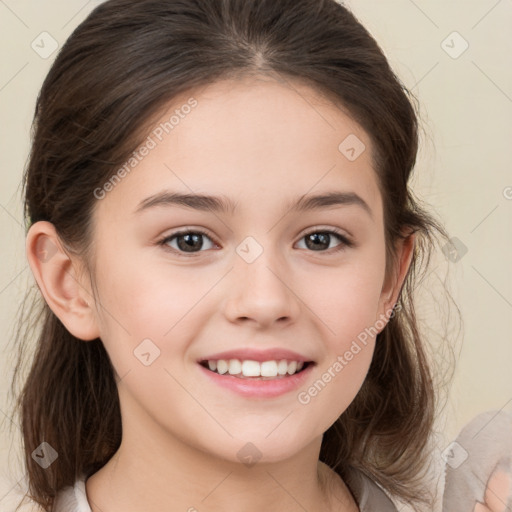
x: 56, y: 277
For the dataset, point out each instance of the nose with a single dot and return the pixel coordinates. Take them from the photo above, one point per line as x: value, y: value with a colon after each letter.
x: 261, y: 293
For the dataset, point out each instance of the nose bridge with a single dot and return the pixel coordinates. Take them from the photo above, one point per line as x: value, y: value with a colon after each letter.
x: 259, y: 289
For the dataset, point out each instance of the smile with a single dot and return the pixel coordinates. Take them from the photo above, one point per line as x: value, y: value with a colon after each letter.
x: 257, y: 379
x: 248, y: 369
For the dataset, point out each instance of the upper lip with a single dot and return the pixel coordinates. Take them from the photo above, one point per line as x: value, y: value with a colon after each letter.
x: 248, y: 354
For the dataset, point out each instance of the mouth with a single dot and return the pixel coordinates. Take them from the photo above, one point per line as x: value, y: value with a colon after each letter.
x: 256, y: 370
x: 257, y: 373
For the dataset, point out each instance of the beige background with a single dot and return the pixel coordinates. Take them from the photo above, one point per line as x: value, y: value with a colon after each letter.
x: 464, y: 171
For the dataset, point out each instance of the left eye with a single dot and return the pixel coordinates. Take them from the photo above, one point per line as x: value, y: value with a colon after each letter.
x: 192, y: 241
x: 318, y: 240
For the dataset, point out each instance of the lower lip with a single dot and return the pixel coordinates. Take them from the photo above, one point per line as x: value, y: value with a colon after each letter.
x: 255, y: 388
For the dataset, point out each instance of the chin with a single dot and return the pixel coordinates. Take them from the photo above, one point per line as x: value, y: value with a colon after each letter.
x: 250, y: 450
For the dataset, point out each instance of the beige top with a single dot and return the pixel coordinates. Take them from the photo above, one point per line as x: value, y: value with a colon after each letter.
x: 369, y: 496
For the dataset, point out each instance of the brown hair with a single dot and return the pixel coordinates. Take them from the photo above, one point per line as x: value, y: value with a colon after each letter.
x: 125, y: 62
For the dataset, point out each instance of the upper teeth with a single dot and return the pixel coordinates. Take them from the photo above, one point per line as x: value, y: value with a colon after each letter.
x: 250, y: 368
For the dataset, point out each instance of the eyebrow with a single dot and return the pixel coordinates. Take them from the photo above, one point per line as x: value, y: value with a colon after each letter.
x: 223, y: 204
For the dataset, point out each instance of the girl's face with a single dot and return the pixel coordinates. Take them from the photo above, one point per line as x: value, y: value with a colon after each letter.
x: 258, y: 277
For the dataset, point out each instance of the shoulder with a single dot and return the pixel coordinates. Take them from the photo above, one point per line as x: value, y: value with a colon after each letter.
x: 369, y: 496
x: 72, y: 498
x: 483, y: 447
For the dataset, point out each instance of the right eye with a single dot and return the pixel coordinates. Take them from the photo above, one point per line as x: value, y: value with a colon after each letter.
x: 188, y: 242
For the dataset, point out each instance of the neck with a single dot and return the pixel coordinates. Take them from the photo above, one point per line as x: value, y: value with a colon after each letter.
x: 145, y: 474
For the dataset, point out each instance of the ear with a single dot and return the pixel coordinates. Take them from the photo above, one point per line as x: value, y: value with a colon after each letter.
x: 56, y: 276
x: 404, y: 250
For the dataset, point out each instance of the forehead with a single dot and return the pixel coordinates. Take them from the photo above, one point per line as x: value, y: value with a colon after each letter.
x: 258, y: 139
x: 264, y: 113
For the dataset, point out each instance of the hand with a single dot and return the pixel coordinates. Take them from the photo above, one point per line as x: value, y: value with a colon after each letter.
x: 478, y: 472
x: 498, y: 492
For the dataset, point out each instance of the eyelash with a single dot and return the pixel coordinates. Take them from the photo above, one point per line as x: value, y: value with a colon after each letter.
x: 345, y: 242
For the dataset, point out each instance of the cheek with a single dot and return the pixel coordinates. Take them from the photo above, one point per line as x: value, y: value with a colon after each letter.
x: 146, y: 322
x: 348, y: 313
x: 144, y: 300
x: 337, y: 383
x: 347, y: 299
x: 348, y: 322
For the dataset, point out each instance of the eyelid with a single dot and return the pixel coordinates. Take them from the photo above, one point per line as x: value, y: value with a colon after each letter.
x: 329, y: 229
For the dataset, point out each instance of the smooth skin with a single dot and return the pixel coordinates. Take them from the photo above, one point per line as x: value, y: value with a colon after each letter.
x: 263, y: 144
x: 498, y: 493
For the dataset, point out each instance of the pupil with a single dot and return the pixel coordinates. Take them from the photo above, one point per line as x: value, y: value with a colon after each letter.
x: 315, y: 238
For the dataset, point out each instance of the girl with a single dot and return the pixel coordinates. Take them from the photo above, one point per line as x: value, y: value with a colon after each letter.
x: 221, y: 227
